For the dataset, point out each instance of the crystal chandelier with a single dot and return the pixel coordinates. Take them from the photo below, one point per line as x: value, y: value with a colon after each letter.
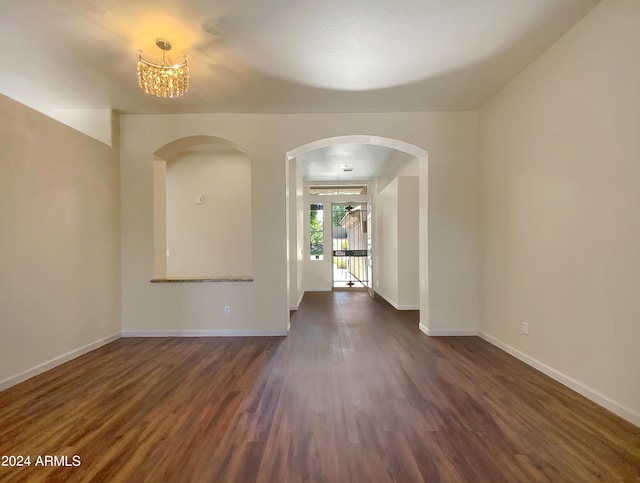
x: 163, y: 80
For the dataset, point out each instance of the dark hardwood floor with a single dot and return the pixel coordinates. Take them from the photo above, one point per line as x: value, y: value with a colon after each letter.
x: 355, y: 393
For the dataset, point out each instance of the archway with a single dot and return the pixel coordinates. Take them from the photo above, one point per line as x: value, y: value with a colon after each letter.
x: 196, y: 233
x: 294, y: 210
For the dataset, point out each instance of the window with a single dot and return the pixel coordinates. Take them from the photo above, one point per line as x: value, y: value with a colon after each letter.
x: 316, y: 231
x: 337, y: 190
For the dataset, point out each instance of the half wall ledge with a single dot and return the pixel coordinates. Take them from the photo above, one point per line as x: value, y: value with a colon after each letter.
x: 213, y: 279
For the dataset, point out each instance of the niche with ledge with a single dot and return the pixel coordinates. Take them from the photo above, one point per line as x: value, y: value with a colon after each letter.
x: 202, y: 212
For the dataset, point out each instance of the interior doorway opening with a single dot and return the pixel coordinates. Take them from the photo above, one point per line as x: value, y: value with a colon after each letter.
x: 349, y: 160
x: 351, y: 246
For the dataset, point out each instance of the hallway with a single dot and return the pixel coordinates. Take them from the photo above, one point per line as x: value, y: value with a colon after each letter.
x: 355, y: 393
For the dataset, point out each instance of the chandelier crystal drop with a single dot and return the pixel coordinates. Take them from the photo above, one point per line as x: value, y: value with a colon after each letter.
x: 166, y: 81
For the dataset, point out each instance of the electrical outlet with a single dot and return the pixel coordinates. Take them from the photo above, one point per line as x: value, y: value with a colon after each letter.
x: 227, y: 310
x: 525, y: 328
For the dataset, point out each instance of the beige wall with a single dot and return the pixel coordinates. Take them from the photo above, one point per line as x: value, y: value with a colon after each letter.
x: 385, y: 242
x: 396, y: 275
x: 298, y: 234
x: 561, y: 172
x: 214, y: 237
x: 295, y: 218
x: 59, y: 242
x: 450, y: 138
x: 408, y: 237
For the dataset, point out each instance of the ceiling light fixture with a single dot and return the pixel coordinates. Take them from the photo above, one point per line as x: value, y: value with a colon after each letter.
x: 167, y: 81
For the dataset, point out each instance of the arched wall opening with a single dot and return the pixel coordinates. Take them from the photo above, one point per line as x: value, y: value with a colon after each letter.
x: 295, y: 210
x: 202, y: 210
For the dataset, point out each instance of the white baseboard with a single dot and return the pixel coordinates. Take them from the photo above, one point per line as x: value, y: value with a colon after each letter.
x: 295, y: 307
x: 622, y: 411
x: 447, y: 332
x: 318, y: 290
x: 205, y: 333
x: 396, y: 306
x: 387, y: 299
x: 56, y: 361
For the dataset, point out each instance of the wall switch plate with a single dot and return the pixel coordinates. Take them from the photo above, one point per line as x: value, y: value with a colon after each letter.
x: 525, y: 328
x: 227, y: 309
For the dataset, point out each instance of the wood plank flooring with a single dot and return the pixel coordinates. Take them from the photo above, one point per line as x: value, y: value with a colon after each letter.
x: 355, y: 394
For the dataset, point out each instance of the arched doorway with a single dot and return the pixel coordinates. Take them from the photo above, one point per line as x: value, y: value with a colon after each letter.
x: 296, y: 210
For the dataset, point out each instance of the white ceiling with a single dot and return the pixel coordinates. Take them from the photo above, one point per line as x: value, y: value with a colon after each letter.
x: 276, y: 55
x: 365, y: 162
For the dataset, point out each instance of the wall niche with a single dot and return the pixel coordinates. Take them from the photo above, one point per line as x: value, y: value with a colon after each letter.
x: 202, y: 211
